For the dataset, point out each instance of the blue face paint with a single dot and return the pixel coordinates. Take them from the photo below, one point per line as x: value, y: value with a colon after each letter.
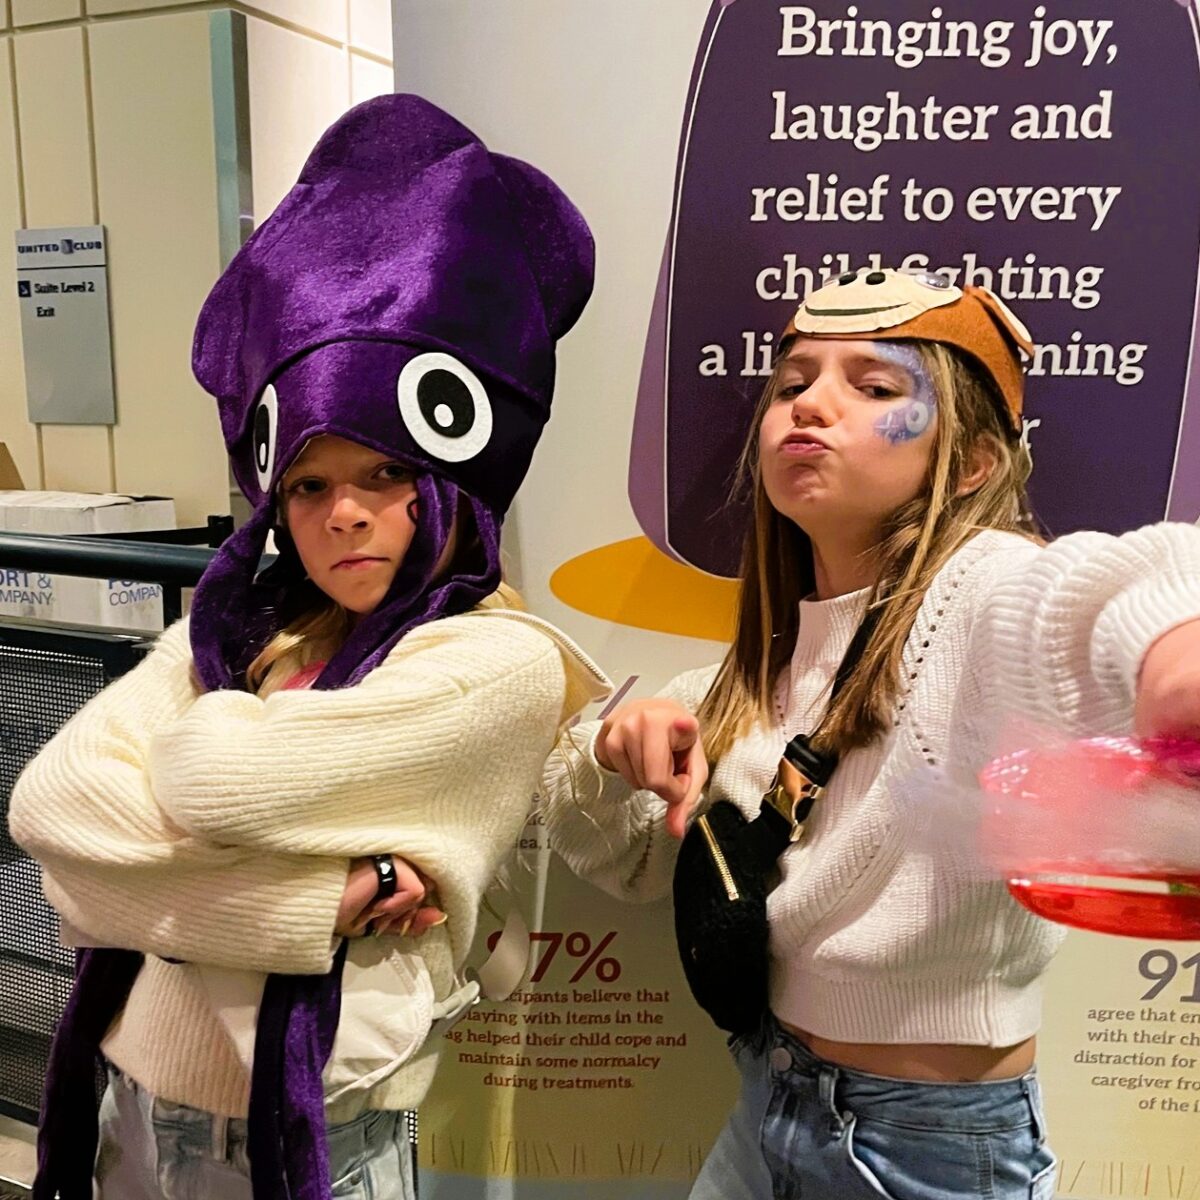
x: 914, y: 416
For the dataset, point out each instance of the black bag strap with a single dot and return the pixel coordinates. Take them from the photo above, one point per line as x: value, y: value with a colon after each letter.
x: 781, y: 817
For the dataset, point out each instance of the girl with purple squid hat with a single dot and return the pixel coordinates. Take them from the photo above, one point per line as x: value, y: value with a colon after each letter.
x: 345, y: 742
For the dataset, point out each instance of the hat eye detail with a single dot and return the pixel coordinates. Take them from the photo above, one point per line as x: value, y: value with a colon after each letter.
x: 444, y: 407
x: 931, y: 279
x: 264, y: 435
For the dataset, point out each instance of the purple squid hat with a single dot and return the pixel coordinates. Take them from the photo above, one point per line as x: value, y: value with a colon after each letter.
x: 407, y: 295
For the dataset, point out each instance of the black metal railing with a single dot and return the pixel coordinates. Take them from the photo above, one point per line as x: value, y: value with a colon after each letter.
x: 212, y: 534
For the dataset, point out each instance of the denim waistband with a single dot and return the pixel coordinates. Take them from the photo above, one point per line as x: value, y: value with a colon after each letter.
x: 220, y: 1134
x: 979, y: 1107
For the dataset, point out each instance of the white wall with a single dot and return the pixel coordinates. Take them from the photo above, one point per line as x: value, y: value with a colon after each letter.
x: 594, y: 96
x: 106, y: 117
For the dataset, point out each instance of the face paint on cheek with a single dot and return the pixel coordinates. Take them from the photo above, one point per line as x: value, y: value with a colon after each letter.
x: 913, y: 417
x: 905, y: 423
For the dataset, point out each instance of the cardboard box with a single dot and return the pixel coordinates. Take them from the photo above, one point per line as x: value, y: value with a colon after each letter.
x: 10, y: 477
x: 119, y: 603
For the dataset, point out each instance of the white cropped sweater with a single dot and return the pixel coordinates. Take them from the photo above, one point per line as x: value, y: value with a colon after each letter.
x: 878, y: 936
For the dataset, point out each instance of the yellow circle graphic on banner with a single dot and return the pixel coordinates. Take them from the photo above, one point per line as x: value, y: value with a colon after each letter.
x: 634, y: 583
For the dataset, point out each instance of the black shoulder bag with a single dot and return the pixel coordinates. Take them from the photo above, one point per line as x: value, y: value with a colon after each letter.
x: 727, y: 866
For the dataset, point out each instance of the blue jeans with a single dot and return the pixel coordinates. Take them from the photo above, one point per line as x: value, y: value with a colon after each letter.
x: 151, y: 1149
x: 804, y: 1129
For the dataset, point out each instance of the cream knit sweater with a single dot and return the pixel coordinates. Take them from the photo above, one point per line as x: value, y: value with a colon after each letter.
x: 217, y: 828
x: 876, y: 937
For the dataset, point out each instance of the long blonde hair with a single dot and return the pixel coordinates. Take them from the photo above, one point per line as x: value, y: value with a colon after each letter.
x: 917, y: 540
x: 311, y: 637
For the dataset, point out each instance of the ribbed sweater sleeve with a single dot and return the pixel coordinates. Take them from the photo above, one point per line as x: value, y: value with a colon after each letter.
x: 1064, y: 629
x: 123, y: 874
x: 420, y: 758
x: 603, y: 829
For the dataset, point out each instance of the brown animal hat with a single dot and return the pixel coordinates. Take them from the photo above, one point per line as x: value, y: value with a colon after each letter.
x: 897, y: 305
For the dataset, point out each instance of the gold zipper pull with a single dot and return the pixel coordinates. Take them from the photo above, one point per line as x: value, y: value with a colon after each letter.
x: 714, y: 849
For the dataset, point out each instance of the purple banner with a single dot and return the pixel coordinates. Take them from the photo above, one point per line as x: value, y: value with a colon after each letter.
x: 1046, y: 150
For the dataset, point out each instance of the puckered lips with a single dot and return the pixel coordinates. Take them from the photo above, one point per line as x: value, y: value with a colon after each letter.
x: 802, y: 443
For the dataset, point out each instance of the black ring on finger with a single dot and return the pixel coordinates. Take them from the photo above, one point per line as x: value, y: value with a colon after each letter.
x: 385, y: 872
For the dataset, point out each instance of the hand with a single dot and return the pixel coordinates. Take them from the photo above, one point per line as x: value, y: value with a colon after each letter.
x: 655, y: 744
x: 1167, y: 703
x: 403, y: 913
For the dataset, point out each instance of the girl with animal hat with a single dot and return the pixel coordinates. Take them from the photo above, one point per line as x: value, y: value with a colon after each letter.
x: 897, y: 607
x: 346, y: 740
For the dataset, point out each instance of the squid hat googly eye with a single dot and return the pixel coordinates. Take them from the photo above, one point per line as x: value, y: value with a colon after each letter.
x: 407, y: 294
x: 898, y: 305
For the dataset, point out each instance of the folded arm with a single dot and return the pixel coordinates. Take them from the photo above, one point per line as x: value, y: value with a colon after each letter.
x: 123, y: 874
